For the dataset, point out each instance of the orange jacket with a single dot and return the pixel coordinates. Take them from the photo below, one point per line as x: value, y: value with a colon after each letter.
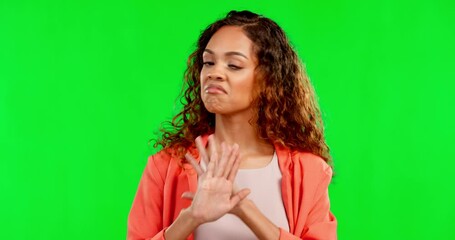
x: 304, y: 186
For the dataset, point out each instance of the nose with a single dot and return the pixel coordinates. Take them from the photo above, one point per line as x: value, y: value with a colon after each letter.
x: 215, y: 74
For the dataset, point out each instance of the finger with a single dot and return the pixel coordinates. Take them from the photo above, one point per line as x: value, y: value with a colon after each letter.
x: 211, y: 166
x: 202, y: 151
x: 203, y: 166
x: 231, y: 160
x: 194, y: 163
x: 188, y: 195
x: 213, y: 150
x: 225, y: 153
x: 235, y: 166
x: 239, y: 196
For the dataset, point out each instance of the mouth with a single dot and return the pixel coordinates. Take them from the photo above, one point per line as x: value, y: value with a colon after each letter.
x: 213, y: 88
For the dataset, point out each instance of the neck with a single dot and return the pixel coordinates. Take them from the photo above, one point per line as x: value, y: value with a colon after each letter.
x: 237, y: 129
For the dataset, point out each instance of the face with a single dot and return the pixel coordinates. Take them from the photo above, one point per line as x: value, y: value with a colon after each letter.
x: 227, y: 75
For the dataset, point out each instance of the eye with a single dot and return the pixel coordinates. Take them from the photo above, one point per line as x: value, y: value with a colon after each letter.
x: 207, y: 63
x: 234, y: 67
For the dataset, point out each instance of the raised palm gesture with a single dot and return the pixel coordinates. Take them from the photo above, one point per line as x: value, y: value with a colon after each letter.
x: 214, y: 195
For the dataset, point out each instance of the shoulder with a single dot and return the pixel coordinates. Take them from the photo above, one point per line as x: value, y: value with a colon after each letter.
x: 311, y: 164
x: 310, y: 172
x: 161, y: 157
x: 159, y: 163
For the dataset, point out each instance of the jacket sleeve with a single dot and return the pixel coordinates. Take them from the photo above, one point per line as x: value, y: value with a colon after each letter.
x: 145, y: 219
x: 321, y: 224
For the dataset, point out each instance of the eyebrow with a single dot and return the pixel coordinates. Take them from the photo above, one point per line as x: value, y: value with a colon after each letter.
x: 228, y: 53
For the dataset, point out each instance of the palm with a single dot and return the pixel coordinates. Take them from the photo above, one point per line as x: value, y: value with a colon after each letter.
x: 214, y: 196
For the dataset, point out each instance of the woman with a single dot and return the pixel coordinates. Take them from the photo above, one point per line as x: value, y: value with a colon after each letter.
x: 259, y: 166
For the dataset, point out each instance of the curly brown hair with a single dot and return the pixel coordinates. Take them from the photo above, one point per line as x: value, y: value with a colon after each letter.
x: 287, y: 111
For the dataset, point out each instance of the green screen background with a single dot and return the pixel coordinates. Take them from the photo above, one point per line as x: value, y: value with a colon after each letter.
x: 85, y: 84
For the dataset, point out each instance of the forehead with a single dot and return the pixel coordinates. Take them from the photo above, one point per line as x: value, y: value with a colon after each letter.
x: 229, y: 39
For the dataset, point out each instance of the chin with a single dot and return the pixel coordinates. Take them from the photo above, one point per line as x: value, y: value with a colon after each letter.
x: 213, y: 105
x: 215, y: 110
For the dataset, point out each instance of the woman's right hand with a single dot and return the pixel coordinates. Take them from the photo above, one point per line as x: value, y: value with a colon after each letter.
x: 214, y: 195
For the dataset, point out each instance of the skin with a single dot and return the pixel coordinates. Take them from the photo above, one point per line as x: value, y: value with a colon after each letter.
x: 227, y: 83
x: 235, y: 73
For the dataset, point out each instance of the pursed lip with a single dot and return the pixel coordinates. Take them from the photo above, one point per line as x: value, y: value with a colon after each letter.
x: 215, y: 86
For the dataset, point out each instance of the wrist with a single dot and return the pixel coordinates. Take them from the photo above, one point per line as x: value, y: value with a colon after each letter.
x: 192, y: 217
x: 243, y: 208
x: 183, y: 226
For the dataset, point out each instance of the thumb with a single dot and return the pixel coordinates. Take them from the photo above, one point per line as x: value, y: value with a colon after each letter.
x: 239, y: 196
x: 188, y: 195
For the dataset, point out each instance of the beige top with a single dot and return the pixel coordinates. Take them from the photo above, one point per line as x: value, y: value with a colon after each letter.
x: 265, y: 186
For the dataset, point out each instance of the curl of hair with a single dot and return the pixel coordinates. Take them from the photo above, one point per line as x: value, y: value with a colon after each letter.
x: 287, y: 110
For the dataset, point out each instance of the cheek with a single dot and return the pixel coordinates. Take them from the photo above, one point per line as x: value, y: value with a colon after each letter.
x: 250, y: 83
x: 201, y: 81
x: 201, y: 76
x: 245, y: 88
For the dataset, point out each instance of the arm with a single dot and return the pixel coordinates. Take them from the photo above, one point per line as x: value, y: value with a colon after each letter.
x: 145, y: 219
x: 319, y: 224
x: 262, y: 227
x: 182, y: 227
x: 213, y: 197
